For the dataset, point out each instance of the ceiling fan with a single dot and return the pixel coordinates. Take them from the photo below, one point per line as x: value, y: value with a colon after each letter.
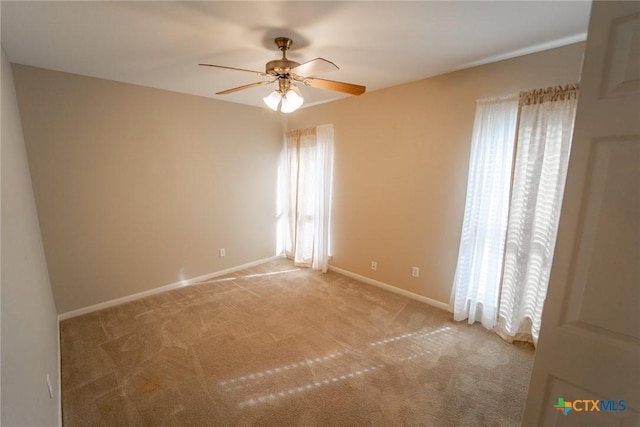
x: 287, y: 73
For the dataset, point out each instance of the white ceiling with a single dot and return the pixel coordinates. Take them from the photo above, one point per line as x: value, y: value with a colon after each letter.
x: 376, y: 44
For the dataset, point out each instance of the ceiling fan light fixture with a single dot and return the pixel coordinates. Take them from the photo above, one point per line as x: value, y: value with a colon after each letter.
x: 273, y: 100
x: 292, y: 100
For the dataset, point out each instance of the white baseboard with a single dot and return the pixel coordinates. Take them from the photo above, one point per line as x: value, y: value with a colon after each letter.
x: 139, y: 295
x: 391, y: 288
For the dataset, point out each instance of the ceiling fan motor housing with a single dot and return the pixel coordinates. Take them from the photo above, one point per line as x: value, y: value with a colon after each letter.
x: 280, y: 67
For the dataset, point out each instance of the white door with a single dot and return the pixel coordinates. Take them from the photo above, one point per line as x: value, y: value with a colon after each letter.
x: 589, y: 348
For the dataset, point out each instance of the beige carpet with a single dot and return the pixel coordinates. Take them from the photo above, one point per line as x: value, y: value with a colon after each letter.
x: 275, y: 345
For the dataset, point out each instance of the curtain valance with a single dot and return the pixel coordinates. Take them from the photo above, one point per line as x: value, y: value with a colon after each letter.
x: 550, y: 94
x: 297, y: 133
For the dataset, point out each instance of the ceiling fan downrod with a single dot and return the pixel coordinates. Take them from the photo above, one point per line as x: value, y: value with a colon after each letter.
x: 283, y: 44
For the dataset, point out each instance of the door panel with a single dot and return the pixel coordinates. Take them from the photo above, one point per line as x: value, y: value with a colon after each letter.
x: 589, y: 347
x: 609, y: 244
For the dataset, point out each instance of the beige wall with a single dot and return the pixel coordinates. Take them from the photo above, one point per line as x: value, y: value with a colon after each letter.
x: 138, y: 188
x: 401, y: 164
x: 29, y: 347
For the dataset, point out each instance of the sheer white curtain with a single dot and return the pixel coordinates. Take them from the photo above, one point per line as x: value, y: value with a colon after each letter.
x: 477, y: 277
x: 544, y: 138
x: 310, y: 174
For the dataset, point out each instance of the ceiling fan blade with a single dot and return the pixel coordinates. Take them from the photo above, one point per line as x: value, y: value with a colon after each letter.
x: 260, y: 73
x: 335, y: 86
x: 315, y: 66
x: 250, y: 85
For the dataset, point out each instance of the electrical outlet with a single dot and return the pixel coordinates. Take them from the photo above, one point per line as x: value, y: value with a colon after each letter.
x: 223, y: 252
x: 374, y: 265
x: 415, y: 271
